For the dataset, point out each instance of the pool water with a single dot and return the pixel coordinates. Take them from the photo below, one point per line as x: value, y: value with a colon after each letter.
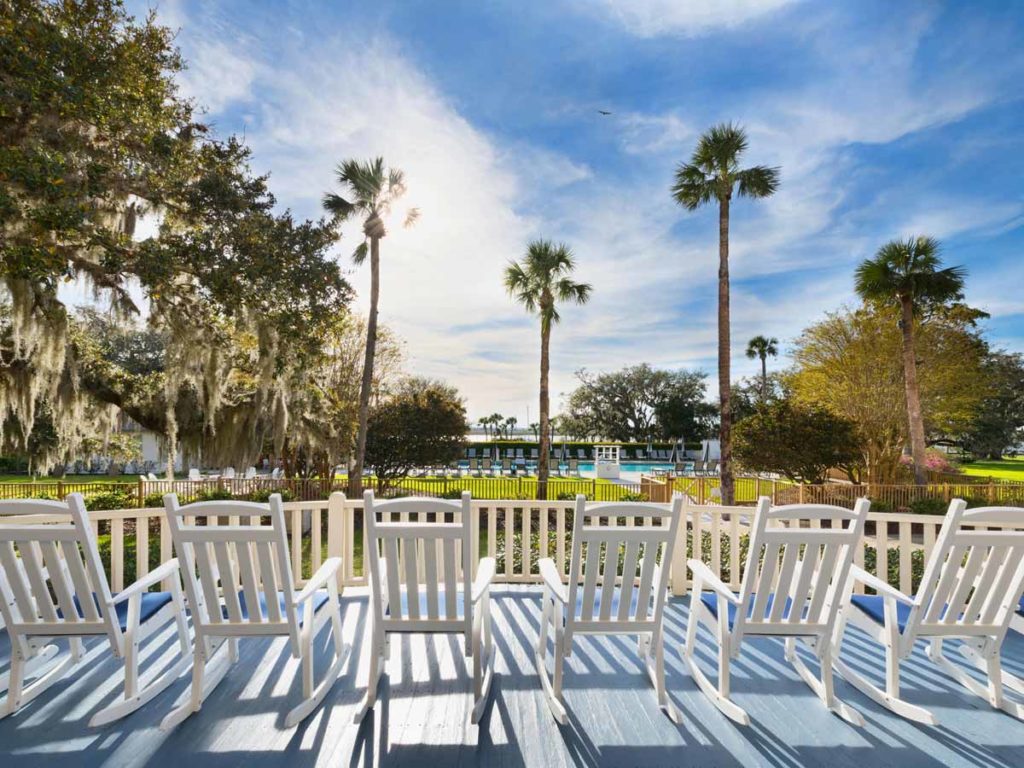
x: 637, y: 467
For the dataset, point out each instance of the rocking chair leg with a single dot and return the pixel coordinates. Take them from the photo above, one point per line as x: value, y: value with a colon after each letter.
x: 34, y: 666
x: 719, y: 696
x: 378, y: 658
x: 19, y: 694
x: 553, y: 688
x: 888, y: 698
x: 483, y: 661
x: 823, y: 687
x: 134, y: 696
x: 204, y: 680
x: 993, y: 691
x: 657, y: 675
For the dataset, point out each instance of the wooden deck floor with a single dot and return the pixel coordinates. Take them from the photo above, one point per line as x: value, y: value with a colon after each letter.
x: 423, y: 715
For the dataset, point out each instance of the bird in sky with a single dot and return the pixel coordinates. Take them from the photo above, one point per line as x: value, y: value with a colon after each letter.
x: 603, y: 112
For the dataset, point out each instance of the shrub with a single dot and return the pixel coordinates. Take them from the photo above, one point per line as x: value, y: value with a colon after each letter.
x: 631, y: 496
x: 263, y: 495
x: 113, y: 499
x: 153, y: 500
x: 893, y: 558
x: 928, y: 507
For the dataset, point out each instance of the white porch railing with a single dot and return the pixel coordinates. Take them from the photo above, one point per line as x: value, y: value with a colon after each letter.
x: 518, y: 534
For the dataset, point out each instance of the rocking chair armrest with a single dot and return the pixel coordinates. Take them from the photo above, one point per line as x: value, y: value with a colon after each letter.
x: 327, y: 571
x: 705, y: 577
x: 881, y: 587
x: 552, y: 580
x: 164, y: 571
x: 484, y: 576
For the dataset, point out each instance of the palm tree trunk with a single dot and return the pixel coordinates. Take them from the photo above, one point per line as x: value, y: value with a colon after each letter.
x: 917, y: 444
x: 545, y: 437
x: 724, y: 362
x: 764, y: 378
x: 355, y: 481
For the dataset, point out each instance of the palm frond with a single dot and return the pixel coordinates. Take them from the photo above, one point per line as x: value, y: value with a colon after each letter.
x: 910, y: 268
x: 693, y: 188
x: 338, y: 206
x: 758, y: 181
x: 360, y: 253
x: 411, y: 217
x: 567, y: 289
x: 720, y: 147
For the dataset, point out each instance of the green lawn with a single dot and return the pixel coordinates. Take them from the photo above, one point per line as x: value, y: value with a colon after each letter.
x: 1005, y: 469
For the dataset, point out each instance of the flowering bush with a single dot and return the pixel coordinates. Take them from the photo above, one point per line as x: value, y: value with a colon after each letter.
x: 934, y: 461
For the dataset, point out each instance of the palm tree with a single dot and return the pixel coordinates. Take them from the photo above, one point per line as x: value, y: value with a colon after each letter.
x: 539, y: 283
x: 713, y: 174
x: 535, y: 428
x: 371, y: 190
x: 908, y: 273
x: 763, y: 348
x: 510, y: 427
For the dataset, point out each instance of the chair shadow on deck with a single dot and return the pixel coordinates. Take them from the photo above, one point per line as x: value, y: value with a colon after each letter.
x: 614, y: 719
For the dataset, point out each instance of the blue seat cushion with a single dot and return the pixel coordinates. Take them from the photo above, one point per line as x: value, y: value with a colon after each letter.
x: 616, y: 599
x: 320, y: 599
x: 150, y: 604
x: 710, y: 600
x: 874, y: 606
x: 1020, y: 607
x: 442, y: 602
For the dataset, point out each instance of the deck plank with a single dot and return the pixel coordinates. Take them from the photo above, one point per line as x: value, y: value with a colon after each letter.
x: 422, y: 715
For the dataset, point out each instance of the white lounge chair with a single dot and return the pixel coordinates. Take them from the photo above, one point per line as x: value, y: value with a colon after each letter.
x: 152, y: 477
x: 228, y: 473
x: 450, y: 599
x: 604, y: 604
x: 194, y: 474
x: 239, y: 584
x: 794, y: 584
x: 971, y: 587
x: 53, y: 586
x: 250, y: 473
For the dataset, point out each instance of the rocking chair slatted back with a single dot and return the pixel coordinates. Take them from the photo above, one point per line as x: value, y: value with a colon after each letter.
x: 420, y: 560
x: 797, y: 567
x: 621, y: 569
x: 234, y: 574
x: 975, y: 577
x: 52, y: 580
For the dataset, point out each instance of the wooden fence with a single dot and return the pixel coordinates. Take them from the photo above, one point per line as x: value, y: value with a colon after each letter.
x: 885, y: 498
x: 143, y: 493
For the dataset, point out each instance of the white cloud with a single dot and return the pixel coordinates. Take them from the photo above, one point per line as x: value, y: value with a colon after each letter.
x: 311, y: 103
x: 647, y: 18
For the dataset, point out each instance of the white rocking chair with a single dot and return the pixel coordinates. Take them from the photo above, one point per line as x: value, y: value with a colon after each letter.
x: 239, y: 584
x: 404, y: 553
x: 793, y: 586
x: 971, y: 588
x: 633, y: 604
x: 42, y: 561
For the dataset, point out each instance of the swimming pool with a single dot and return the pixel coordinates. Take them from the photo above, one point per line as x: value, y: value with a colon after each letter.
x: 629, y: 466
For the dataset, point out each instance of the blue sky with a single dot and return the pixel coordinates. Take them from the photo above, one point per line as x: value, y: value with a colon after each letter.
x: 887, y: 119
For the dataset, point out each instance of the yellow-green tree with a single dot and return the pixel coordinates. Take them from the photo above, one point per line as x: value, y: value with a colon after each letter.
x: 851, y: 364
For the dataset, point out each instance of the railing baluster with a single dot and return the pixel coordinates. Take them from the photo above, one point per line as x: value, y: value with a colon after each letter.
x: 117, y: 554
